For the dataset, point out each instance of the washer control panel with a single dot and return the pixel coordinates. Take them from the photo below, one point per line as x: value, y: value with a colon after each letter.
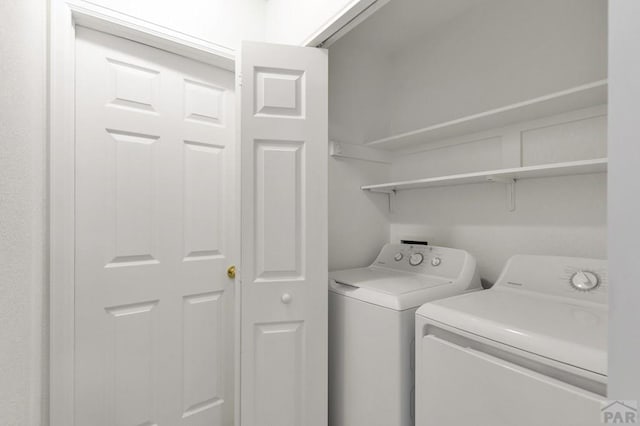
x: 422, y: 259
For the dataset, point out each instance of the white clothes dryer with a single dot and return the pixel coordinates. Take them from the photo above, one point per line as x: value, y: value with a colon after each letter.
x: 530, y: 351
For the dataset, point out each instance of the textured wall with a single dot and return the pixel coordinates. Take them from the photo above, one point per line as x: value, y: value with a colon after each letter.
x: 624, y: 206
x: 358, y: 220
x: 493, y: 54
x: 222, y: 22
x: 563, y: 216
x: 23, y: 339
x: 293, y: 21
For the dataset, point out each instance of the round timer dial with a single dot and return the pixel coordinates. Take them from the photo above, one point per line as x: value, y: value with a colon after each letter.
x: 584, y: 280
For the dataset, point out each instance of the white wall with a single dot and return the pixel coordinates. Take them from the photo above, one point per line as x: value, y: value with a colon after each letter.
x: 563, y: 216
x: 294, y: 21
x: 358, y: 87
x: 466, y: 60
x: 23, y: 277
x: 497, y: 53
x: 624, y: 207
x: 358, y: 221
x: 489, y: 55
x: 220, y: 22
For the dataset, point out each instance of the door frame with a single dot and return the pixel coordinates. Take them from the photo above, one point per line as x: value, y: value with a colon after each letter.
x: 64, y: 17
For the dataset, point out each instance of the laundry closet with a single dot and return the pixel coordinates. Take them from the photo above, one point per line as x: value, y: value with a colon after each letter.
x: 478, y: 126
x: 427, y: 96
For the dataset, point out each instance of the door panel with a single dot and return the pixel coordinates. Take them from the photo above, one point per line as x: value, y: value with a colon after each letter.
x: 155, y: 233
x: 284, y: 235
x: 278, y: 209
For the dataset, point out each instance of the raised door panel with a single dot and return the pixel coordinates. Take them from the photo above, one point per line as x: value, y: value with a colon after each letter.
x: 279, y: 210
x: 203, y: 359
x: 132, y: 357
x: 203, y: 201
x: 204, y: 103
x: 134, y: 221
x: 133, y: 86
x: 279, y: 373
x: 279, y: 92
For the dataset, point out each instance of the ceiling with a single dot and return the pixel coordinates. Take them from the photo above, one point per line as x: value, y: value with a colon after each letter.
x: 401, y: 21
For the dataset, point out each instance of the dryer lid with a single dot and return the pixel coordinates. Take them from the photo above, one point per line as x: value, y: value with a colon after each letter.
x: 569, y: 331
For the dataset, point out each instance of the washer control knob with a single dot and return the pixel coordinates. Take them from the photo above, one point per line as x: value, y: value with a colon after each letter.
x: 436, y: 261
x: 416, y: 259
x: 398, y: 257
x: 584, y: 280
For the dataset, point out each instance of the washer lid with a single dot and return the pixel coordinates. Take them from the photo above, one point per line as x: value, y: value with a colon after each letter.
x: 390, y: 288
x: 570, y: 331
x: 388, y: 281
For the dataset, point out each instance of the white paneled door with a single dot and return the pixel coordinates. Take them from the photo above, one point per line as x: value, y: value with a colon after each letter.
x: 283, y: 91
x: 155, y: 233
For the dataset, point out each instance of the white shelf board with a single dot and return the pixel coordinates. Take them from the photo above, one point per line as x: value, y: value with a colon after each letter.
x: 575, y: 98
x: 598, y: 165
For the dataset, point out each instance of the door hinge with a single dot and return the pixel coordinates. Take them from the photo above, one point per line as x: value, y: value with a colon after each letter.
x: 240, y: 79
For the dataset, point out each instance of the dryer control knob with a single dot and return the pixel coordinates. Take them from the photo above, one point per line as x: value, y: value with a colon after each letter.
x: 398, y: 257
x: 436, y: 261
x: 584, y: 280
x: 416, y: 259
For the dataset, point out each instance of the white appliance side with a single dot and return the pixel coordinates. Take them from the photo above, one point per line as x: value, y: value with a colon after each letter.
x: 458, y: 385
x: 371, y: 364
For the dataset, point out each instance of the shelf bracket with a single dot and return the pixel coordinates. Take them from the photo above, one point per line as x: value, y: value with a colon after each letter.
x: 391, y: 194
x: 392, y: 200
x: 510, y: 185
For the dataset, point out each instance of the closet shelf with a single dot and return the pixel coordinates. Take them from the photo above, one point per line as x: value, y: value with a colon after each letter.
x: 584, y: 96
x: 598, y: 165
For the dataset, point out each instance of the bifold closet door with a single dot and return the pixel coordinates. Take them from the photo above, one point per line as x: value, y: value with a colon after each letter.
x: 154, y: 236
x: 283, y: 91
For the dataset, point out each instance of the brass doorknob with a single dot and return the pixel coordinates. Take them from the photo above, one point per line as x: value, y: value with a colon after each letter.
x: 231, y: 271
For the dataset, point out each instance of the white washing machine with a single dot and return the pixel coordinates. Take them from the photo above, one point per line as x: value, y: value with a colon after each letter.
x: 371, y: 329
x: 530, y: 351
